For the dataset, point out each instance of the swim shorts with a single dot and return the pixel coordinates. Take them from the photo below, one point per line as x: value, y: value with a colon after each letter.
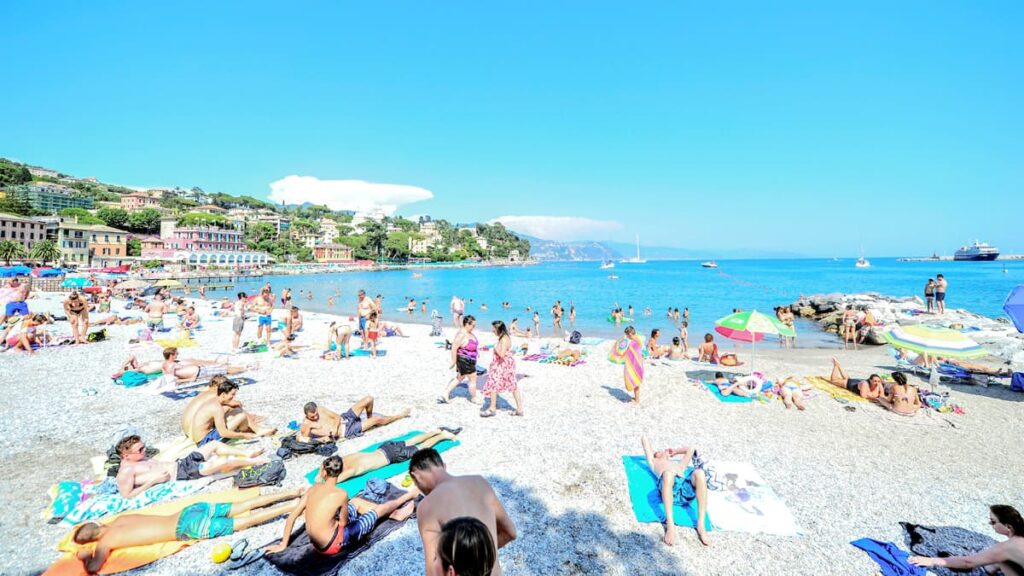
x: 154, y: 324
x: 362, y: 323
x: 353, y: 424
x: 396, y: 452
x: 357, y: 528
x: 208, y: 372
x: 203, y: 520
x: 211, y: 436
x: 238, y: 324
x: 264, y: 320
x: 940, y: 296
x: 683, y: 492
x: 465, y: 365
x: 188, y: 467
x: 13, y: 308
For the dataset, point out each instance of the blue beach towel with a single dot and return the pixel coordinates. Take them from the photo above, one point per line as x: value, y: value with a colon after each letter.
x: 891, y: 560
x: 364, y: 352
x: 645, y: 496
x: 355, y: 485
x: 730, y: 399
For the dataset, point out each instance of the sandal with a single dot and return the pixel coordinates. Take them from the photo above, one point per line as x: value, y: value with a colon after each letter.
x: 487, y: 414
x: 442, y: 400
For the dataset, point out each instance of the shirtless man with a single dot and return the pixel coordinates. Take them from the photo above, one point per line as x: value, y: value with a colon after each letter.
x: 364, y: 307
x: 392, y: 452
x: 77, y: 310
x: 292, y: 323
x: 190, y: 321
x: 155, y: 311
x: 16, y: 304
x: 457, y: 308
x: 263, y: 306
x: 196, y: 369
x: 209, y: 419
x: 685, y: 482
x: 322, y: 424
x: 328, y: 527
x: 451, y: 497
x: 238, y: 319
x: 196, y: 522
x: 940, y: 293
x: 234, y: 416
x: 137, y: 473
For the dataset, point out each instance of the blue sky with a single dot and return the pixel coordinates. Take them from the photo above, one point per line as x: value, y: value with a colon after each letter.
x: 808, y: 127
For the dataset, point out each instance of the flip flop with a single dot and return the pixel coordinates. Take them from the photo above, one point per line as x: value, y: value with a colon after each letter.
x: 487, y: 414
x: 442, y: 400
x: 246, y: 559
x: 453, y: 431
x: 239, y: 548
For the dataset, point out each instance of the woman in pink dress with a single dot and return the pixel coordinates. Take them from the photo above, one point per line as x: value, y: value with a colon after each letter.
x: 501, y: 374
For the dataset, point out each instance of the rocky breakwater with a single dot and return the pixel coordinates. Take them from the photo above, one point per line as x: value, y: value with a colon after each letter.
x: 997, y: 334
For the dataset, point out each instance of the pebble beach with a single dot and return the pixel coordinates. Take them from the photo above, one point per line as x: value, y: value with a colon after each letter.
x: 843, y: 474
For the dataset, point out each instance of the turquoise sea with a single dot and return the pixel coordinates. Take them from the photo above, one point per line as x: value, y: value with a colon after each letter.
x: 709, y: 293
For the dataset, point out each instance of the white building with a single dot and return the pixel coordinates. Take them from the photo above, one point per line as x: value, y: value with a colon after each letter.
x: 328, y: 231
x: 363, y: 217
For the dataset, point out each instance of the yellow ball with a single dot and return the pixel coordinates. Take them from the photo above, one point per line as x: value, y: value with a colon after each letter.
x: 221, y: 552
x: 407, y: 481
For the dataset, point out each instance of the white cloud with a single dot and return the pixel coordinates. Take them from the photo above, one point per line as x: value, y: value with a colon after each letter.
x: 357, y: 195
x: 559, y: 228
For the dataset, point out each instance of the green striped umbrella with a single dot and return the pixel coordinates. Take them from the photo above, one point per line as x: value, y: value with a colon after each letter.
x: 750, y: 327
x: 934, y: 341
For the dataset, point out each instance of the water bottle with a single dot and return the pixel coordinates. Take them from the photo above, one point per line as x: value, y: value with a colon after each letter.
x: 933, y: 377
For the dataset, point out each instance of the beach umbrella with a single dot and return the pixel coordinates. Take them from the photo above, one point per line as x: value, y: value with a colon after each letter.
x: 169, y: 283
x: 751, y: 326
x: 76, y: 282
x: 1014, y: 307
x: 15, y: 271
x: 134, y: 284
x: 934, y: 341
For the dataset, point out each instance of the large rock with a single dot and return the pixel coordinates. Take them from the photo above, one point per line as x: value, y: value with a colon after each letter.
x: 874, y: 335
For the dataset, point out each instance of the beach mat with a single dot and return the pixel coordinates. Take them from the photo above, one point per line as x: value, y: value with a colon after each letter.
x: 730, y: 399
x: 124, y: 559
x: 837, y: 393
x: 354, y: 485
x: 194, y: 388
x: 302, y: 560
x: 743, y: 502
x: 645, y: 496
x: 363, y: 352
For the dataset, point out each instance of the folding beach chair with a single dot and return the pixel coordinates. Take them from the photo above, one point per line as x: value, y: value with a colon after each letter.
x: 906, y: 365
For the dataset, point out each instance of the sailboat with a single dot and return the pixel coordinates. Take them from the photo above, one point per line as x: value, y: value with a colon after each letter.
x: 638, y: 259
x: 862, y: 262
x: 607, y: 264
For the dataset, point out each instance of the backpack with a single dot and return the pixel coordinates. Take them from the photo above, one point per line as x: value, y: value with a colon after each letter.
x: 575, y: 337
x: 272, y: 473
x: 291, y: 446
x: 1017, y: 382
x: 97, y: 336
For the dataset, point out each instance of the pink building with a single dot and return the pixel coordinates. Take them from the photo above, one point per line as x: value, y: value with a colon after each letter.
x: 205, y: 238
x: 138, y: 201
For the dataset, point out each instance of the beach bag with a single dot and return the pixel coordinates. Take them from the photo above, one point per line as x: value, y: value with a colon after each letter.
x: 272, y: 473
x: 292, y: 446
x: 97, y: 336
x: 1017, y: 382
x: 576, y: 337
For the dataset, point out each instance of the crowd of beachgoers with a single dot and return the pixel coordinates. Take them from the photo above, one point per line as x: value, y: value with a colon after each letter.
x: 195, y: 435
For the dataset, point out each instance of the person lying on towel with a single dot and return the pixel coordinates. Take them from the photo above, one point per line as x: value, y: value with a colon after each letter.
x: 196, y: 522
x: 137, y: 472
x: 218, y: 416
x: 681, y: 482
x: 321, y: 424
x: 333, y: 520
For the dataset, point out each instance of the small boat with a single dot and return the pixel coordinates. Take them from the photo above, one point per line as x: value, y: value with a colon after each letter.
x: 863, y: 262
x: 607, y: 265
x: 709, y: 264
x: 978, y: 252
x: 613, y: 277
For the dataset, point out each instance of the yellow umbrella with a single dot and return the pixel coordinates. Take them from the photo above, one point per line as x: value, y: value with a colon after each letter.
x: 169, y: 283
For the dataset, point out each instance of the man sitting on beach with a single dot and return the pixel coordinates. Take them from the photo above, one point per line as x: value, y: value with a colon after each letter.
x: 292, y: 323
x: 322, y: 424
x: 681, y: 482
x: 137, y: 473
x: 196, y: 370
x: 16, y: 299
x: 234, y: 415
x: 196, y: 522
x: 209, y: 419
x: 333, y: 520
x: 451, y: 497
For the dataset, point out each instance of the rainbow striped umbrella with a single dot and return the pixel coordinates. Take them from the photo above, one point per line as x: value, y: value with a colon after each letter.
x: 751, y: 327
x: 934, y: 341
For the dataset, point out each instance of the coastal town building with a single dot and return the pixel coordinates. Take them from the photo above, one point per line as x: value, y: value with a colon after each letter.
x: 138, y: 201
x: 420, y: 245
x: 280, y: 223
x: 210, y: 209
x: 191, y: 247
x: 328, y: 231
x: 40, y: 172
x: 361, y: 218
x: 49, y: 197
x: 150, y: 242
x: 91, y: 244
x: 200, y: 238
x: 24, y: 231
x: 332, y: 253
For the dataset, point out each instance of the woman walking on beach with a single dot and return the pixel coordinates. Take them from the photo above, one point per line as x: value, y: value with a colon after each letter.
x: 633, y: 367
x: 464, y: 353
x: 501, y: 374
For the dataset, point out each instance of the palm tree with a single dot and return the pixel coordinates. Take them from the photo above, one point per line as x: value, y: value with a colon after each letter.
x: 46, y: 251
x: 9, y: 250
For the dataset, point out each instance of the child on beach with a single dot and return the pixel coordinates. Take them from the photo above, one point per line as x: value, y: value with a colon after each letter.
x: 373, y: 333
x: 676, y: 352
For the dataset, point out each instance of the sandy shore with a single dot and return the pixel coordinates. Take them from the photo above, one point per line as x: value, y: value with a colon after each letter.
x: 843, y: 475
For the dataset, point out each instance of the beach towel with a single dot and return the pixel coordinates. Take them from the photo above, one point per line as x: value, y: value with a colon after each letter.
x: 166, y: 451
x: 891, y: 560
x: 945, y: 541
x: 194, y: 388
x: 365, y: 352
x: 837, y: 393
x: 129, y: 558
x: 730, y: 399
x: 634, y: 363
x: 109, y: 503
x: 741, y: 501
x: 354, y: 485
x: 301, y: 559
x: 645, y: 496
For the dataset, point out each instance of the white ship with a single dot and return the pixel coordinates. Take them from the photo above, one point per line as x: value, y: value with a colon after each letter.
x: 978, y: 251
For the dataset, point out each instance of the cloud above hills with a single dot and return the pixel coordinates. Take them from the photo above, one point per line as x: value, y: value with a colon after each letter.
x: 560, y: 228
x: 358, y: 195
